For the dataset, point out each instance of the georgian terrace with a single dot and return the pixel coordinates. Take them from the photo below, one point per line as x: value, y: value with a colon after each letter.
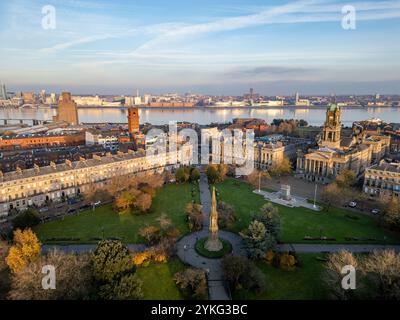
x: 22, y: 188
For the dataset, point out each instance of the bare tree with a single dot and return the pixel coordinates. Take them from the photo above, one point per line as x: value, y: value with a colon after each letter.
x: 333, y: 276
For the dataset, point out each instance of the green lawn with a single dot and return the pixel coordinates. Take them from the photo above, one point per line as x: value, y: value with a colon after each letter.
x: 158, y: 283
x: 303, y: 283
x: 89, y: 224
x: 300, y: 222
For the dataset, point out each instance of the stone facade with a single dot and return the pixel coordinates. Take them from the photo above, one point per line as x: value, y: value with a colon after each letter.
x: 22, y: 188
x: 383, y: 179
x: 336, y: 153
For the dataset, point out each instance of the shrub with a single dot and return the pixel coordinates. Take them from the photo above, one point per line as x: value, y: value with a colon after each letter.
x: 182, y: 174
x: 26, y: 219
x: 287, y: 261
x: 140, y: 258
x: 192, y: 282
x: 241, y: 273
x: 114, y: 272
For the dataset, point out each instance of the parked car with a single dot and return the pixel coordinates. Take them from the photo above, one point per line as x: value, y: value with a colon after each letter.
x: 44, y: 209
x: 375, y: 211
x: 352, y: 204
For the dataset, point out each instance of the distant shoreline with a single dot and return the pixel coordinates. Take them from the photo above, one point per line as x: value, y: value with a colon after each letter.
x: 233, y: 107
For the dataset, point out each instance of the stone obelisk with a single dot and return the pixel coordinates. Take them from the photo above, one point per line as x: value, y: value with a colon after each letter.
x: 213, y: 243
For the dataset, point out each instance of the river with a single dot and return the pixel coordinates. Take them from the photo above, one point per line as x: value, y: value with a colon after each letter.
x: 314, y: 116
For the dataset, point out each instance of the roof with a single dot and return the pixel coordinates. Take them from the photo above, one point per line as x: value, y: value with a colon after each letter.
x: 389, y: 167
x: 28, y: 173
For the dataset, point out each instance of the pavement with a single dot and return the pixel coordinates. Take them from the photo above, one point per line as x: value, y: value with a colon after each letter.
x: 186, y: 248
x: 294, y: 201
x: 328, y: 248
x: 85, y: 248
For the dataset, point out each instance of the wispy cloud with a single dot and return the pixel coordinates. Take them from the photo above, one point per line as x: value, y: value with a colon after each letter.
x: 303, y: 11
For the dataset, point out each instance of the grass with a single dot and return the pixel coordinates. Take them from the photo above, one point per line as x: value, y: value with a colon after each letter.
x: 158, y: 282
x: 201, y: 250
x: 303, y: 283
x: 89, y: 224
x: 300, y: 222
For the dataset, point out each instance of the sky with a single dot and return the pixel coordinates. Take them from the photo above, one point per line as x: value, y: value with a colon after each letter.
x: 216, y: 47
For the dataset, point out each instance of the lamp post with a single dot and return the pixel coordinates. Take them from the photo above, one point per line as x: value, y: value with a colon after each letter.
x: 184, y: 253
x: 315, y: 196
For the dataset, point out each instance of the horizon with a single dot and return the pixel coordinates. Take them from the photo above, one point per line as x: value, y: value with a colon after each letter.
x: 222, y: 49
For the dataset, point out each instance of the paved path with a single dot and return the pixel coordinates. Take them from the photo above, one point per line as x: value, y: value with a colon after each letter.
x: 84, y: 248
x: 187, y: 253
x: 310, y: 248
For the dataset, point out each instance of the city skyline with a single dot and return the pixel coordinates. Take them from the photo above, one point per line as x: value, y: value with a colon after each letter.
x: 279, y: 48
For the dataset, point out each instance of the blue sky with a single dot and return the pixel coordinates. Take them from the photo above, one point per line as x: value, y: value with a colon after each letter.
x: 215, y: 47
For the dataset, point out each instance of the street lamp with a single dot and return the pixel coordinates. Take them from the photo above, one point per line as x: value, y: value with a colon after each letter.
x: 315, y: 196
x: 184, y: 253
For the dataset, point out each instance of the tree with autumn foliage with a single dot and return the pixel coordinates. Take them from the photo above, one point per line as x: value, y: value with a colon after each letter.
x: 143, y: 202
x: 26, y: 249
x: 282, y: 167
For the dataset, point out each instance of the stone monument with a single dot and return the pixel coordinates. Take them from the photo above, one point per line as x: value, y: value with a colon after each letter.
x: 285, y: 192
x: 213, y: 243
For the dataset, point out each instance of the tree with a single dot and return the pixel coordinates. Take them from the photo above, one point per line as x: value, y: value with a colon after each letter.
x: 333, y: 274
x: 334, y: 195
x: 151, y: 234
x: 4, y: 271
x: 257, y: 177
x: 26, y: 249
x: 346, y: 178
x: 257, y: 240
x: 240, y: 273
x: 26, y: 219
x: 124, y: 200
x: 154, y: 181
x: 282, y: 167
x: 194, y: 213
x: 213, y: 174
x: 182, y: 174
x: 382, y: 270
x: 223, y: 170
x: 164, y: 221
x: 391, y: 212
x: 192, y: 282
x: 226, y: 215
x: 94, y: 194
x: 269, y: 216
x: 127, y: 287
x: 143, y: 202
x: 73, y: 278
x: 194, y: 174
x: 114, y: 272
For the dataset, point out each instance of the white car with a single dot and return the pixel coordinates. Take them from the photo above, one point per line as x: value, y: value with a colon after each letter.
x: 375, y: 211
x: 352, y: 204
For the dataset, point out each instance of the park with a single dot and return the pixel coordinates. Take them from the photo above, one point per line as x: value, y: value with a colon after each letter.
x: 298, y: 226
